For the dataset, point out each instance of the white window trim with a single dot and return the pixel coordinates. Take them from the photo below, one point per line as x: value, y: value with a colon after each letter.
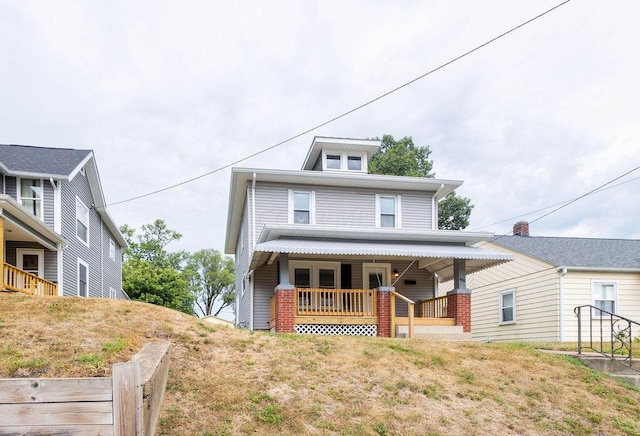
x: 385, y: 268
x: 86, y: 265
x: 344, y: 161
x: 113, y: 294
x: 88, y: 221
x: 315, y: 267
x: 38, y: 252
x: 505, y: 292
x: 19, y: 193
x: 398, y: 210
x: 112, y: 250
x: 595, y: 283
x: 312, y: 205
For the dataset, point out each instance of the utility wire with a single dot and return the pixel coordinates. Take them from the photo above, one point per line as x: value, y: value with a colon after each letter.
x: 344, y: 114
x: 553, y: 205
x: 565, y: 204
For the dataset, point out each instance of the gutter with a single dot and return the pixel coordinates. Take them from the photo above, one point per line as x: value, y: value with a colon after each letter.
x: 563, y: 272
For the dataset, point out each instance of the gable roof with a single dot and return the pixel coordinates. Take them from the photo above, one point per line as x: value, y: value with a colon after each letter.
x: 61, y: 164
x: 585, y: 253
x: 27, y: 160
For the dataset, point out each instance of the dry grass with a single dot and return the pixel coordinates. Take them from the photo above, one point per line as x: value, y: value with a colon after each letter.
x: 227, y: 381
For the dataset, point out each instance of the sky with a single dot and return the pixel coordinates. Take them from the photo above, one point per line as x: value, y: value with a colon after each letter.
x: 166, y: 91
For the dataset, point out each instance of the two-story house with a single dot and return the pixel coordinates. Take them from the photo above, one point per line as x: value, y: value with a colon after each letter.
x: 327, y: 249
x: 56, y: 236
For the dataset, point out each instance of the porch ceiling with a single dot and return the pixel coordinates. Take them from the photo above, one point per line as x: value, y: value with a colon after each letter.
x: 435, y: 258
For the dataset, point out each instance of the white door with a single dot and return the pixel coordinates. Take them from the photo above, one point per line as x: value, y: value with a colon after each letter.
x: 376, y: 275
x: 30, y: 260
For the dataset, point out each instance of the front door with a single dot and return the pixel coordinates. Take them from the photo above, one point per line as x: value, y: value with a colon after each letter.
x: 376, y: 275
x: 30, y: 260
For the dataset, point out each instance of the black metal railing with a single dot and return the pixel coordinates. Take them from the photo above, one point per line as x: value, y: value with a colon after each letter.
x: 609, y: 334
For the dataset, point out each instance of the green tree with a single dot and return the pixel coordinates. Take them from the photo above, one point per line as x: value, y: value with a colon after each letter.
x: 152, y: 274
x: 212, y: 281
x: 404, y: 158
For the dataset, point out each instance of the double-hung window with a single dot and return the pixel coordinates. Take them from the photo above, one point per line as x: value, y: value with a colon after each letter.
x: 508, y: 306
x: 31, y: 196
x: 604, y: 297
x: 334, y: 161
x: 82, y: 221
x: 301, y: 207
x: 388, y: 211
x: 83, y: 278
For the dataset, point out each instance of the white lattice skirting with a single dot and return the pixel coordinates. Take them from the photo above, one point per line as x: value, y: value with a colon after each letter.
x: 336, y: 329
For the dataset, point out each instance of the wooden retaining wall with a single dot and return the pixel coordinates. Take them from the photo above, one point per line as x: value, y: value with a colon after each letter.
x: 127, y: 403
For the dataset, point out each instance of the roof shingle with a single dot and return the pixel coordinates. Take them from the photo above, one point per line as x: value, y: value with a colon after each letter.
x: 41, y: 160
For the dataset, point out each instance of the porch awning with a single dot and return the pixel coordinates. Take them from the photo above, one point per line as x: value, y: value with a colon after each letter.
x: 436, y: 258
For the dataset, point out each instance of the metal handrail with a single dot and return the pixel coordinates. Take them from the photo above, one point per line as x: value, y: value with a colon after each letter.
x: 618, y: 329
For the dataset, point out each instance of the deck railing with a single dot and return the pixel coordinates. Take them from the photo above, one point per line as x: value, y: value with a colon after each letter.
x: 433, y: 308
x: 335, y: 302
x: 15, y: 279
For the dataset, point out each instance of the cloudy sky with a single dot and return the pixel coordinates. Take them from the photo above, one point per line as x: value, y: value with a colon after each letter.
x: 166, y: 91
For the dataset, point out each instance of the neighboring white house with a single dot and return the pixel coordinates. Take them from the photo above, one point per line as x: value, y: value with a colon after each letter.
x: 326, y: 249
x: 533, y: 298
x: 56, y: 236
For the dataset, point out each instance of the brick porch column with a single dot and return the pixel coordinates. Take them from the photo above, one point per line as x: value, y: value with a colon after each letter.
x: 459, y: 299
x: 459, y: 308
x: 384, y: 311
x: 284, y: 308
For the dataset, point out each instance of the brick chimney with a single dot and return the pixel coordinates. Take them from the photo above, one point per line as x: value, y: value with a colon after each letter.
x: 521, y: 228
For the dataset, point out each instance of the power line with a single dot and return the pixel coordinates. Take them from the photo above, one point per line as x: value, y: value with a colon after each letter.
x: 553, y: 205
x: 599, y: 188
x: 344, y: 114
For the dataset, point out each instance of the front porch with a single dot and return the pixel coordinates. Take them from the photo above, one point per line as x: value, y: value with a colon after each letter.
x: 25, y: 242
x: 368, y: 312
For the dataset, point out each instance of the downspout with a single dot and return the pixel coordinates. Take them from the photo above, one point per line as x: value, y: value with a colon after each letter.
x: 57, y: 227
x: 563, y: 272
x: 253, y: 241
x: 101, y: 256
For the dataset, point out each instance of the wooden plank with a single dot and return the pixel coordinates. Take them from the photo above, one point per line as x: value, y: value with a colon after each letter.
x: 360, y: 320
x: 127, y: 399
x: 425, y: 321
x: 52, y: 390
x: 56, y: 413
x: 62, y: 430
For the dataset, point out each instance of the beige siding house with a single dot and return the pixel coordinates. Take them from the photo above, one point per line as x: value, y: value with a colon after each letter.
x: 533, y: 297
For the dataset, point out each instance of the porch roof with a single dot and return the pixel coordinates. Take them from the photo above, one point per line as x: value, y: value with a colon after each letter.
x: 436, y: 258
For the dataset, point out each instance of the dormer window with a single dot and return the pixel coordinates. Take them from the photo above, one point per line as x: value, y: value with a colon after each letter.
x: 354, y: 163
x: 31, y: 196
x: 334, y: 161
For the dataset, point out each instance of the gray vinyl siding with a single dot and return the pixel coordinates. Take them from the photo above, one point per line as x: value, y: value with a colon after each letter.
x: 336, y: 206
x: 104, y: 273
x: 265, y: 281
x: 348, y: 208
x: 11, y: 187
x: 2, y: 176
x: 272, y: 205
x: 48, y: 203
x: 422, y: 290
x: 417, y: 210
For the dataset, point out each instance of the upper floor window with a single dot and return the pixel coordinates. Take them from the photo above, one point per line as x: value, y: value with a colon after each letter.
x: 344, y: 162
x: 301, y: 207
x: 508, y: 306
x: 31, y: 196
x: 112, y: 250
x: 388, y: 211
x: 82, y: 221
x: 605, y: 295
x: 334, y: 161
x: 354, y: 163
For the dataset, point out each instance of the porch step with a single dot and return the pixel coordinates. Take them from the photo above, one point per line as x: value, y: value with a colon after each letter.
x: 607, y: 365
x: 434, y: 333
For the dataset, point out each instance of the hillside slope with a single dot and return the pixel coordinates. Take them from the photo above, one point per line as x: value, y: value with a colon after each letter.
x: 227, y: 381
